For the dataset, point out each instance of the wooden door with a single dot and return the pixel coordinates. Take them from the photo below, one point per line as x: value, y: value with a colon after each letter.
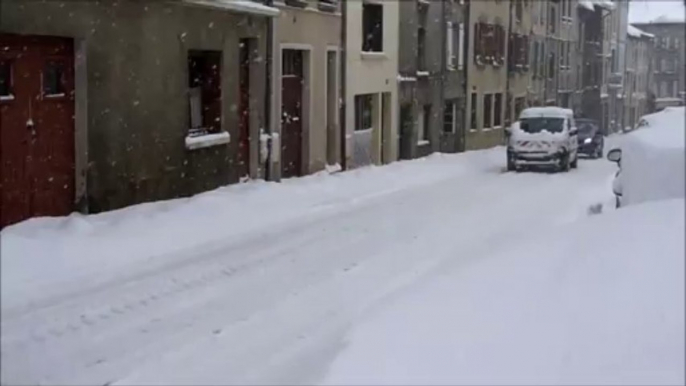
x: 37, y: 127
x: 244, y: 109
x: 291, y: 113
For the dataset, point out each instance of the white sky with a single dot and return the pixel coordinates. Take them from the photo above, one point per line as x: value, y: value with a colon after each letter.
x: 648, y: 10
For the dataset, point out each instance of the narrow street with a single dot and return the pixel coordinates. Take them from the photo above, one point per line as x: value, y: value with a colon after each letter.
x: 271, y: 303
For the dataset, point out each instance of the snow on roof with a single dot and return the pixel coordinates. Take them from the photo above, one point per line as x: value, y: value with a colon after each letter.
x: 244, y: 6
x: 607, y: 4
x: 588, y: 4
x: 548, y: 111
x: 637, y: 33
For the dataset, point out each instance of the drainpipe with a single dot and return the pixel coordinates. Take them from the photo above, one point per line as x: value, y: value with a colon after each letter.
x: 342, y: 96
x: 268, y: 92
x: 508, y: 106
x: 465, y: 9
x: 444, y: 53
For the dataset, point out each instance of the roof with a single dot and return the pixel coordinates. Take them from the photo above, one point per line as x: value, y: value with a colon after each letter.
x: 241, y: 6
x: 607, y: 4
x: 600, y: 4
x: 637, y: 33
x: 588, y: 4
x: 548, y: 111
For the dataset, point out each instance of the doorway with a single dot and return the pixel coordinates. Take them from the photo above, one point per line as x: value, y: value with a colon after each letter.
x: 37, y: 121
x: 292, y: 86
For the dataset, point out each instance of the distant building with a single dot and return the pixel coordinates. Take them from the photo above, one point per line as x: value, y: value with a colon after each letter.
x: 431, y: 69
x: 591, y: 35
x: 637, y: 77
x: 668, y: 61
x: 488, y: 22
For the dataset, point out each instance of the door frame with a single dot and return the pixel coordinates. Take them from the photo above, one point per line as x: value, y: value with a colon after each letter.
x: 337, y: 124
x: 307, y: 97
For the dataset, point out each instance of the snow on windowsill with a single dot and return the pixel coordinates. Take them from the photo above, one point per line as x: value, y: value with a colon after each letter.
x: 4, y: 98
x: 60, y: 95
x: 373, y: 55
x: 207, y: 140
x: 423, y: 142
x: 422, y: 73
x: 406, y: 78
x: 243, y: 6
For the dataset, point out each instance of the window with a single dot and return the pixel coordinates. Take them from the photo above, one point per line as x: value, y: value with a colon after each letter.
x: 551, y: 65
x: 552, y: 26
x: 426, y: 123
x: 460, y: 47
x: 363, y: 112
x: 204, y: 91
x: 537, y: 58
x: 488, y: 111
x: 449, y: 117
x: 450, y: 45
x: 675, y: 88
x: 498, y: 110
x: 327, y: 5
x: 489, y: 44
x: 54, y: 80
x: 472, y: 112
x: 519, y: 10
x: 518, y: 56
x: 421, y: 49
x: 5, y: 78
x: 499, y: 46
x: 372, y: 27
x: 562, y: 55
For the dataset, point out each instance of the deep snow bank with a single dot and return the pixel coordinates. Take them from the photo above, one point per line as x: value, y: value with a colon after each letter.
x: 653, y: 164
x: 598, y: 301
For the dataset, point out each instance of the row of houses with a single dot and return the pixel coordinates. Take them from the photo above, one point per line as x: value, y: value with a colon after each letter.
x: 110, y: 103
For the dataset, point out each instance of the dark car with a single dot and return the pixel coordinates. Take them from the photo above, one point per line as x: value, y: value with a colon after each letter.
x: 591, y: 138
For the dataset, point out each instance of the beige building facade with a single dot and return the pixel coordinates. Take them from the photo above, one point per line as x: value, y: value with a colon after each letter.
x: 371, y: 88
x: 306, y: 87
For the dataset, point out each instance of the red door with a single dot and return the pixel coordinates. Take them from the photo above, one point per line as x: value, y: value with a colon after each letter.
x: 244, y: 109
x: 291, y: 113
x: 36, y: 127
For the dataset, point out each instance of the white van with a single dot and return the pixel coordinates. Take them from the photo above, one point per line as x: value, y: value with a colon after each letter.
x: 543, y: 136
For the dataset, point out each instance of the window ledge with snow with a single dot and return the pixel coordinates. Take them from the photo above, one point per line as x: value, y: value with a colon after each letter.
x: 8, y: 97
x: 376, y: 55
x: 422, y: 73
x: 423, y: 142
x: 402, y: 78
x: 194, y: 142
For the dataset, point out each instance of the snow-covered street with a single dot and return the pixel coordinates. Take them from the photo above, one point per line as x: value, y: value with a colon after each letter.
x: 259, y: 283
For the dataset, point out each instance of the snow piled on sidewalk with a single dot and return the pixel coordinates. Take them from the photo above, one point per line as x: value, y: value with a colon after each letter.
x: 598, y: 301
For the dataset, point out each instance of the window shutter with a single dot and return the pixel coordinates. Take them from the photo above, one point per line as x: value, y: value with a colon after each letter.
x: 460, y: 49
x: 477, y: 43
x: 449, y: 45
